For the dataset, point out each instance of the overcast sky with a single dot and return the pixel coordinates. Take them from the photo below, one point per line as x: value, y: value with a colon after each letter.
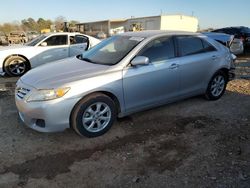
x: 211, y: 13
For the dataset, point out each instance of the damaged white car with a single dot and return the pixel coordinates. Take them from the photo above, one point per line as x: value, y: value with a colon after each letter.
x: 16, y: 60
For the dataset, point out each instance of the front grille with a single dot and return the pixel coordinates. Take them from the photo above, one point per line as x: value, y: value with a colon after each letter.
x: 22, y: 92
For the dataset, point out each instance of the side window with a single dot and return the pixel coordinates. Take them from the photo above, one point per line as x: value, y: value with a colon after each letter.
x: 56, y: 40
x: 229, y: 31
x: 159, y: 49
x: 189, y: 45
x: 232, y: 31
x: 72, y: 40
x: 207, y: 47
x: 80, y: 39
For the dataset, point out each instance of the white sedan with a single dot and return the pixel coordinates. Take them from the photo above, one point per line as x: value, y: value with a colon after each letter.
x: 16, y: 60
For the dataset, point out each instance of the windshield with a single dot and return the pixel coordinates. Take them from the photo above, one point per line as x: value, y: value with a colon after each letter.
x: 111, y: 50
x: 36, y: 40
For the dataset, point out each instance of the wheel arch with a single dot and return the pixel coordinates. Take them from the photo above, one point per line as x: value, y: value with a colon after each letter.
x: 107, y: 93
x: 19, y: 55
x: 224, y: 70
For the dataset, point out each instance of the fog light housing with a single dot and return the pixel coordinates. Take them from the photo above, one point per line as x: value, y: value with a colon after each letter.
x: 40, y: 123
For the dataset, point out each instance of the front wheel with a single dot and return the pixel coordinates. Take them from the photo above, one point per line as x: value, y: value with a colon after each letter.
x: 93, y: 116
x: 216, y: 86
x: 16, y: 66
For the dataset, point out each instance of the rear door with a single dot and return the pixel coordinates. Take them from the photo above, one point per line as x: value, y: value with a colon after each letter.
x: 155, y: 83
x: 196, y: 59
x: 78, y: 44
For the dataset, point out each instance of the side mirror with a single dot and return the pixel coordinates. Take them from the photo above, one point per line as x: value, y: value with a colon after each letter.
x: 44, y: 44
x: 140, y: 60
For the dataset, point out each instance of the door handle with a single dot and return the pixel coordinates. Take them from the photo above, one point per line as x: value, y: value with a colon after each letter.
x: 174, y: 66
x: 214, y: 57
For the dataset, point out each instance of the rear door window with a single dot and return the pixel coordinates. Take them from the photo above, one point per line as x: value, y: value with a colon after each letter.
x: 207, y: 47
x: 190, y: 45
x: 80, y: 39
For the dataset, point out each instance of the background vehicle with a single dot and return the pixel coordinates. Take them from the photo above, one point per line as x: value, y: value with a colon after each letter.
x: 3, y: 38
x: 123, y: 74
x: 242, y: 33
x: 16, y: 60
x: 32, y: 34
x: 234, y: 44
x: 17, y: 37
x: 101, y: 35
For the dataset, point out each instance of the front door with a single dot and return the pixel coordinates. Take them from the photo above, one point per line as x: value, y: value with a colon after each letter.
x: 149, y: 85
x: 54, y: 48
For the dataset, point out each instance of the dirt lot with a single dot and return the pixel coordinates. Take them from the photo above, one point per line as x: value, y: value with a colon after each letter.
x: 192, y: 143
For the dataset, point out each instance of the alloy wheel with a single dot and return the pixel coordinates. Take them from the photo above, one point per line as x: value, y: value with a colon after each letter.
x: 96, y: 117
x: 218, y: 85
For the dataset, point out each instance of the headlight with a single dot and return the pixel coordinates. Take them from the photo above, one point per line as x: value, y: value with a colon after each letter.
x: 47, y: 94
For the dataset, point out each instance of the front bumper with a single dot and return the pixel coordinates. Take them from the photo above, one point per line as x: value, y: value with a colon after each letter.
x: 1, y: 71
x: 55, y: 114
x: 46, y: 116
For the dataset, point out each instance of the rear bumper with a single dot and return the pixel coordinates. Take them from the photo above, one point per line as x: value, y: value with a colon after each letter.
x: 231, y: 74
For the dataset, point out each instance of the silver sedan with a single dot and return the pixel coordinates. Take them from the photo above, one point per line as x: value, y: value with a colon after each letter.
x: 123, y: 74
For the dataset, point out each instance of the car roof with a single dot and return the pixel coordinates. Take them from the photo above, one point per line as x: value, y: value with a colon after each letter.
x: 151, y: 33
x: 61, y: 33
x: 233, y: 27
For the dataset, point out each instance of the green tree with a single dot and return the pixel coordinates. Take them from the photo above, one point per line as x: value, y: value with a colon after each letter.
x: 30, y: 24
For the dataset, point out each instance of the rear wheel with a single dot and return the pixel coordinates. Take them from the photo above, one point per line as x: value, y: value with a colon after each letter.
x: 216, y: 86
x: 16, y: 66
x: 94, y: 115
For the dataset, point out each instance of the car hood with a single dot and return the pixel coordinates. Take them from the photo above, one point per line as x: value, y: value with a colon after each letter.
x: 61, y: 73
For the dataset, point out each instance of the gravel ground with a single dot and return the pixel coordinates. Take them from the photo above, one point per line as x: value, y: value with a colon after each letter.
x: 191, y: 143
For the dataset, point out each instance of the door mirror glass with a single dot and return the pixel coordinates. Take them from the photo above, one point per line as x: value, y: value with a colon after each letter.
x: 140, y: 60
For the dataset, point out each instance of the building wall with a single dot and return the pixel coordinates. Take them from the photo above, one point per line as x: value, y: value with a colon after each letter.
x: 144, y: 23
x: 116, y: 27
x: 179, y: 22
x: 163, y: 22
x: 95, y: 27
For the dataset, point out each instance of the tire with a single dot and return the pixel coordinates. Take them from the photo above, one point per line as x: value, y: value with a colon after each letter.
x: 94, y: 115
x: 16, y: 66
x: 216, y: 86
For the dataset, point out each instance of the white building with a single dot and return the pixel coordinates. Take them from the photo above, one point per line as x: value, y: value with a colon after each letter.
x: 164, y: 22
